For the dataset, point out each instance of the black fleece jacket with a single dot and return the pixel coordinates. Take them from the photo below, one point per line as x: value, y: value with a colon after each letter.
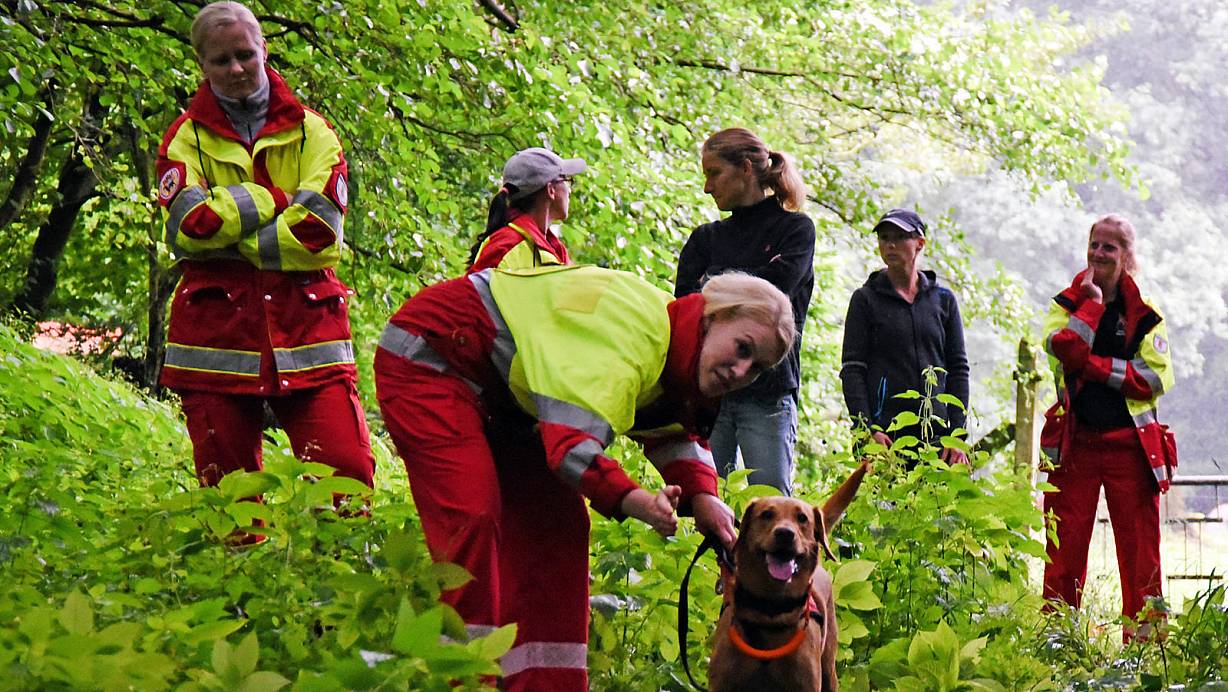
x: 888, y: 343
x: 767, y: 241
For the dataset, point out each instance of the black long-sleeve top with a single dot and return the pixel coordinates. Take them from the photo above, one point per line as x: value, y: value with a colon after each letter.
x: 763, y: 240
x: 889, y: 342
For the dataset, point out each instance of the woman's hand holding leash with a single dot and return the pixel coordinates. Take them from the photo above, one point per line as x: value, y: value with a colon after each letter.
x: 714, y: 518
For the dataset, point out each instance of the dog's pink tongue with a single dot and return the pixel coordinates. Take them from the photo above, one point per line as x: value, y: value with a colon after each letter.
x: 781, y: 569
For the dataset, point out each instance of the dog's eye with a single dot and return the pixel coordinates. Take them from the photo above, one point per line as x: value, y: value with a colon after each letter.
x: 767, y: 514
x: 802, y: 519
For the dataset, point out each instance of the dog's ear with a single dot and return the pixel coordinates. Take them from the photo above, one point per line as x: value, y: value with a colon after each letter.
x: 820, y: 532
x: 748, y: 515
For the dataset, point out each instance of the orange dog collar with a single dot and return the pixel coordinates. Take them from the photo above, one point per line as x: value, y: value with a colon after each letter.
x: 766, y: 654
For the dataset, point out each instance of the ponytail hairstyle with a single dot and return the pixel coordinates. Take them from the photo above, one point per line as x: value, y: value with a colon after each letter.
x: 774, y: 170
x: 496, y: 216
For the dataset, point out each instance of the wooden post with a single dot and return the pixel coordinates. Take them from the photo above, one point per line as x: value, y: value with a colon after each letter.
x: 1027, y: 435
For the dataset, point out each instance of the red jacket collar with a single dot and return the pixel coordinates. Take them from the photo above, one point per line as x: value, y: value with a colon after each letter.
x: 681, y: 375
x: 1135, y: 307
x: 543, y: 239
x: 285, y: 111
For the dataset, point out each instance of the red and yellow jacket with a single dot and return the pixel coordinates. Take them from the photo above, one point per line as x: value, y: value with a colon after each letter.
x: 257, y: 229
x: 590, y: 353
x: 520, y: 245
x: 1071, y: 329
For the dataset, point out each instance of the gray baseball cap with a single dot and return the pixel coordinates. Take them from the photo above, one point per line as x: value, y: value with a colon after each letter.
x: 532, y: 169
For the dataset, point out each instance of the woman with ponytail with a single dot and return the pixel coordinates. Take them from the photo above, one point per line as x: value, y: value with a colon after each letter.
x: 536, y: 192
x: 767, y: 236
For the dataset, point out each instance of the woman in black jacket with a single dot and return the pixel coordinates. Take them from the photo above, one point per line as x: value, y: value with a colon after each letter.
x: 899, y: 323
x: 767, y: 236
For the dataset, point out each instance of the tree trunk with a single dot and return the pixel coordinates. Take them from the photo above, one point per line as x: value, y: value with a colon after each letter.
x: 26, y: 177
x: 76, y: 186
x: 161, y: 279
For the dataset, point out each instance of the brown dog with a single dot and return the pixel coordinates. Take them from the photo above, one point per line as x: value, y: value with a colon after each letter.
x: 778, y: 627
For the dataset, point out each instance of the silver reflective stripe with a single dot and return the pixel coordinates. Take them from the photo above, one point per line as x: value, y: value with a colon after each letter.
x: 504, y: 348
x: 1050, y: 452
x: 411, y: 347
x: 319, y: 205
x: 249, y: 216
x: 1081, y: 328
x: 578, y: 459
x: 1153, y: 379
x: 665, y: 454
x: 1117, y: 375
x: 213, y: 360
x: 854, y: 364
x: 1145, y: 418
x: 314, y: 356
x: 475, y: 631
x: 185, y: 202
x: 270, y: 251
x: 551, y: 410
x: 1161, y: 472
x: 530, y: 655
x: 414, y: 348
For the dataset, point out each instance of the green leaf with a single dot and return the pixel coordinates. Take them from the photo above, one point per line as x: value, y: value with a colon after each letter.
x: 852, y: 571
x: 497, y: 643
x: 417, y: 635
x: 342, y: 485
x: 263, y: 681
x: 209, y: 631
x: 246, y: 655
x: 951, y: 400
x: 859, y: 596
x: 77, y: 617
x: 450, y: 575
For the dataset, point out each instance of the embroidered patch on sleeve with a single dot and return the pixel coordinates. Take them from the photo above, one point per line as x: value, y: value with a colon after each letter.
x: 170, y: 183
x: 342, y: 192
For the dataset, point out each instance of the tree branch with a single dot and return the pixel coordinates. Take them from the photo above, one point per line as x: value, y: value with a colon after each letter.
x: 358, y: 249
x: 501, y: 14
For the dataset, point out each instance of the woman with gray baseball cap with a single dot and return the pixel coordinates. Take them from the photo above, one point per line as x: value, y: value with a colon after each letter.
x: 536, y: 192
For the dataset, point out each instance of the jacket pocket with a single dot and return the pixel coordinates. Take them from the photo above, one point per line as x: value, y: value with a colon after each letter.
x: 1051, y: 433
x: 326, y: 293
x: 1169, y: 441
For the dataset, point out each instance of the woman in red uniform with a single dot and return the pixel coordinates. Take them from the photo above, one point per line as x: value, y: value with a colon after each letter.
x: 470, y: 369
x: 253, y: 186
x: 1108, y: 347
x: 536, y: 193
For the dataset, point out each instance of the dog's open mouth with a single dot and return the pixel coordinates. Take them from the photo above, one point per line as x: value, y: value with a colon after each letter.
x: 782, y: 566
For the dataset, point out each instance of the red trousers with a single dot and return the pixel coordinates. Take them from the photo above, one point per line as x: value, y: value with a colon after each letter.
x: 489, y: 503
x: 324, y: 424
x: 1113, y: 459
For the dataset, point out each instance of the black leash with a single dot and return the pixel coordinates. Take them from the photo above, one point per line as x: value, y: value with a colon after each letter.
x: 722, y: 557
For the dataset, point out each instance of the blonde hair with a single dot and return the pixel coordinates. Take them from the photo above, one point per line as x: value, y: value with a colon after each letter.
x: 774, y: 171
x: 734, y: 294
x: 219, y: 14
x: 1125, y: 233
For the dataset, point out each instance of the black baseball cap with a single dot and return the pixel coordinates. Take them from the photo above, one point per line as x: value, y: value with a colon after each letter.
x: 903, y: 219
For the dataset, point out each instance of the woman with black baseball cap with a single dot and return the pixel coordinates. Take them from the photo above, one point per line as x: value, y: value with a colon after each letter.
x: 899, y: 323
x: 536, y: 193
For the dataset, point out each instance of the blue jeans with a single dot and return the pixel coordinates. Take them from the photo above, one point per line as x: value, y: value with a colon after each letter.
x: 764, y: 430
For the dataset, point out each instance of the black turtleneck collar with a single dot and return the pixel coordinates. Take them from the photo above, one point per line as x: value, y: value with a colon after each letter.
x: 768, y: 206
